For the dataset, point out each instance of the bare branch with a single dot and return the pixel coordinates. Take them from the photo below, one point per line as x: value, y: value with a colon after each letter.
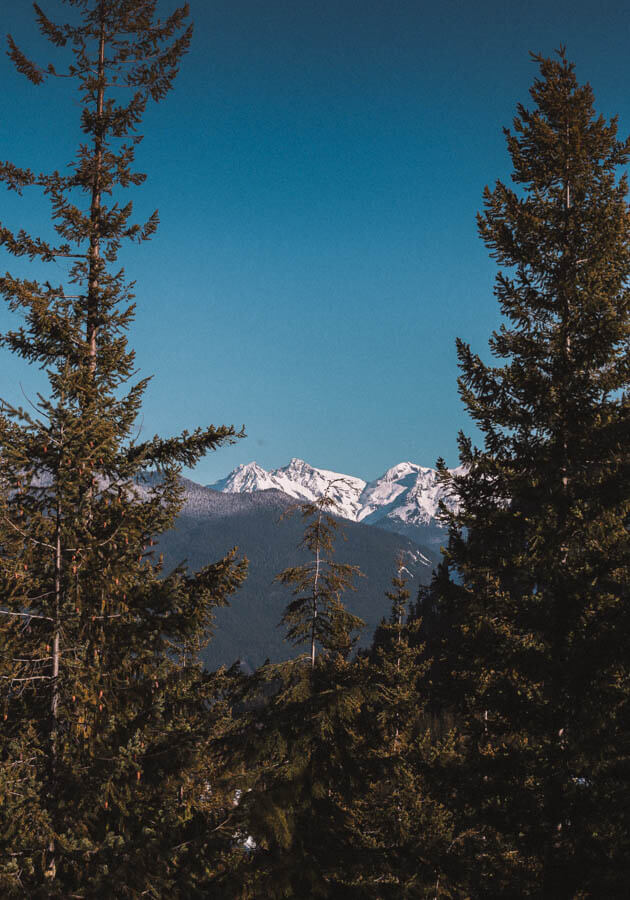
x: 5, y: 612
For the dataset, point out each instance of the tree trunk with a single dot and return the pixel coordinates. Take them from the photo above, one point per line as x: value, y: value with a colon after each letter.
x: 51, y: 864
x: 315, y: 584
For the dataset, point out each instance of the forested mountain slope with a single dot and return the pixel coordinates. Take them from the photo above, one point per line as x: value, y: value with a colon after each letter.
x: 211, y: 523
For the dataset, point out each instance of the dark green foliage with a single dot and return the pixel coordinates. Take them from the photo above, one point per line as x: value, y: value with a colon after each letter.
x: 538, y: 621
x: 400, y: 832
x: 316, y: 614
x: 296, y: 738
x: 107, y: 715
x: 300, y: 764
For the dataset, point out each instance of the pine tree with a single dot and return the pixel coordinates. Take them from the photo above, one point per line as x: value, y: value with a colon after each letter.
x: 297, y: 740
x: 316, y: 614
x: 400, y: 832
x: 107, y: 715
x: 539, y: 621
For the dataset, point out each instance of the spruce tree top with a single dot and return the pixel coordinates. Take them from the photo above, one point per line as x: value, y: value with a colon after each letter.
x: 562, y: 237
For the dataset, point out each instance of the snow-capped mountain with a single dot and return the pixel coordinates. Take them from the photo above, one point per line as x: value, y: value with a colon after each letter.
x: 300, y: 480
x: 405, y: 499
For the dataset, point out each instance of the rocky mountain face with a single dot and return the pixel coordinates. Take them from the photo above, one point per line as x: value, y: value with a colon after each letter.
x: 300, y: 480
x: 404, y: 500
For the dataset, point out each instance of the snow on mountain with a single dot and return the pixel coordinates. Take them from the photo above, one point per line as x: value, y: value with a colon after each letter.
x: 407, y: 492
x: 300, y: 480
x: 244, y: 480
x: 405, y: 498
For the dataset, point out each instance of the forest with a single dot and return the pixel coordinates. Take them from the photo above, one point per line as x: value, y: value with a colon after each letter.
x: 480, y: 747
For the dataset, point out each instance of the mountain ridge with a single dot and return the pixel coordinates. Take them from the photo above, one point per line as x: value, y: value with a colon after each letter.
x: 405, y: 499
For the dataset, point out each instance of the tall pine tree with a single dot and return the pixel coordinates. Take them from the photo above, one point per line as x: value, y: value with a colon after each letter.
x: 106, y: 713
x: 399, y: 831
x: 538, y: 614
x: 297, y: 738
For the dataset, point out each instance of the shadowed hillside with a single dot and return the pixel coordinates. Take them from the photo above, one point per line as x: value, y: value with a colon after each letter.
x: 211, y: 523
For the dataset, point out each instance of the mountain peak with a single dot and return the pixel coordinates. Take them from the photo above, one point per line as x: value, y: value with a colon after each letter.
x: 405, y: 498
x: 296, y: 464
x: 249, y: 467
x: 245, y: 478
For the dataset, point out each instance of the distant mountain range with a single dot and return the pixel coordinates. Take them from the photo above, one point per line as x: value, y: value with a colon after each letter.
x: 379, y: 520
x: 211, y: 523
x: 404, y: 500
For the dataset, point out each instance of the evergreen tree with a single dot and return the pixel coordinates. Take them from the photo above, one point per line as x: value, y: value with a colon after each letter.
x: 400, y: 832
x: 297, y: 740
x: 107, y: 715
x: 316, y: 613
x: 538, y: 613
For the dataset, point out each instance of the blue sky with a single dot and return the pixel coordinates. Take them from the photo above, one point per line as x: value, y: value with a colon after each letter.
x: 317, y: 170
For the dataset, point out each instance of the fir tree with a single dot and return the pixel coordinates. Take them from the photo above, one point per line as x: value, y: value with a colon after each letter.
x: 539, y: 622
x: 399, y: 831
x: 107, y: 715
x: 297, y: 740
x: 316, y: 614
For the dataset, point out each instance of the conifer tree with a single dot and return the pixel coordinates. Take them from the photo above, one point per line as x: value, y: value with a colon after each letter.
x: 399, y: 830
x: 106, y: 713
x: 298, y: 739
x: 316, y: 613
x: 539, y: 620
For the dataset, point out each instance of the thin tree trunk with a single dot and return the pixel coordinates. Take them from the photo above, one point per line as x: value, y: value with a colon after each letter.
x: 398, y: 643
x: 567, y: 355
x: 554, y: 886
x: 51, y: 867
x: 315, y: 583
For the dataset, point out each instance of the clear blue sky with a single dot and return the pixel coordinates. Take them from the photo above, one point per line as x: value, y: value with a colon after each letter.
x: 317, y: 170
